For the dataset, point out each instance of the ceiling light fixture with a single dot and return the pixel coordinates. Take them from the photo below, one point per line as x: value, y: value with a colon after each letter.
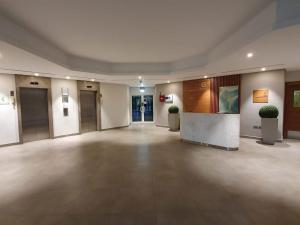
x: 140, y: 77
x: 205, y: 77
x: 250, y: 55
x: 168, y: 81
x: 142, y: 89
x: 93, y: 80
x: 36, y: 74
x: 68, y: 78
x: 263, y: 69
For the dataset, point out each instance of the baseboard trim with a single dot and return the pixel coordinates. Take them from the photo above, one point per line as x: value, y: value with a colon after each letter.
x: 114, y: 128
x: 251, y: 137
x: 161, y: 126
x: 66, y: 135
x: 209, y: 145
x: 62, y: 136
x: 292, y: 138
x: 10, y: 144
x: 258, y: 138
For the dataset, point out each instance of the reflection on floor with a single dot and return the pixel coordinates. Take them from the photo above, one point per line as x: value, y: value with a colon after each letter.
x: 145, y: 175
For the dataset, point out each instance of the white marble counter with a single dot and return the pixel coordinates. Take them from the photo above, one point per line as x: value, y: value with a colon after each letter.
x: 220, y: 130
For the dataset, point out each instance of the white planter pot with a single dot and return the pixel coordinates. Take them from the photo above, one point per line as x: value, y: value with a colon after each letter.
x: 269, y: 127
x: 174, y: 121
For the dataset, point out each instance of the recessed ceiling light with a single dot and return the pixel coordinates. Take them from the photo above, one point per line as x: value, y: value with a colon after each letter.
x: 263, y: 69
x: 205, y: 77
x: 140, y: 77
x: 168, y: 81
x: 67, y: 77
x: 250, y: 55
x: 92, y: 80
x: 36, y: 74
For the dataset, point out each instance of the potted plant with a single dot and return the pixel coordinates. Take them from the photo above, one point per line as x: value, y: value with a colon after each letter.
x: 173, y: 118
x: 269, y: 124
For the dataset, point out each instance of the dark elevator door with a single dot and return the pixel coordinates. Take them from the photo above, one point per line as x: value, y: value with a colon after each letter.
x: 34, y: 113
x: 88, y: 110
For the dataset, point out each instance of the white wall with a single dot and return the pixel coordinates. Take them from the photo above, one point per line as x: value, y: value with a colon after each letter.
x: 161, y: 112
x: 114, y: 105
x: 64, y: 125
x: 272, y: 80
x: 9, y: 132
x: 292, y: 76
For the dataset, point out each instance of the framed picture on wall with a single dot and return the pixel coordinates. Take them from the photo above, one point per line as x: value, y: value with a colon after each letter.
x: 296, y: 103
x: 261, y: 96
x: 229, y: 99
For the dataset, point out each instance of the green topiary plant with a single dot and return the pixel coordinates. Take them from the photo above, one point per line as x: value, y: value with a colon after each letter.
x: 173, y: 109
x: 269, y: 111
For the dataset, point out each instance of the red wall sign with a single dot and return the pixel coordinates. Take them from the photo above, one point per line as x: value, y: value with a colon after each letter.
x: 162, y: 98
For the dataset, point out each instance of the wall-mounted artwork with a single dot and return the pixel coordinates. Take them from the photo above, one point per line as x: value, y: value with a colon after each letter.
x: 261, y: 96
x: 229, y: 99
x: 297, y: 98
x: 4, y: 99
x: 169, y: 99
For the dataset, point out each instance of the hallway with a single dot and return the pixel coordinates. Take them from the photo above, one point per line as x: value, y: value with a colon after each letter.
x: 145, y: 175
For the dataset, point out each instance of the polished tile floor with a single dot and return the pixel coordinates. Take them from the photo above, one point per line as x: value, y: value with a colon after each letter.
x: 145, y: 175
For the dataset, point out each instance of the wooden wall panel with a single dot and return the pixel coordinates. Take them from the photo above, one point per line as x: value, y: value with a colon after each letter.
x: 196, y: 96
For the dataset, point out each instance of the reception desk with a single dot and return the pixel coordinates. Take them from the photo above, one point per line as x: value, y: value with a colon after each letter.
x: 217, y: 130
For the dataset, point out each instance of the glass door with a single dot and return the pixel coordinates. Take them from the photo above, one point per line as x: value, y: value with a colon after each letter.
x: 148, y: 108
x: 142, y: 108
x: 136, y: 108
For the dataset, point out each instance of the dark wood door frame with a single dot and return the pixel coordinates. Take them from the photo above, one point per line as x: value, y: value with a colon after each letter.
x: 288, y: 87
x: 23, y: 81
x: 89, y: 86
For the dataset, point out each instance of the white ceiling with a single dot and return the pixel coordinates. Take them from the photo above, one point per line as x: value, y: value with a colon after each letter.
x: 133, y: 31
x: 139, y: 37
x: 276, y: 50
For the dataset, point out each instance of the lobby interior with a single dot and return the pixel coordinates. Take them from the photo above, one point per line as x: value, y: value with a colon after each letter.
x: 150, y: 112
